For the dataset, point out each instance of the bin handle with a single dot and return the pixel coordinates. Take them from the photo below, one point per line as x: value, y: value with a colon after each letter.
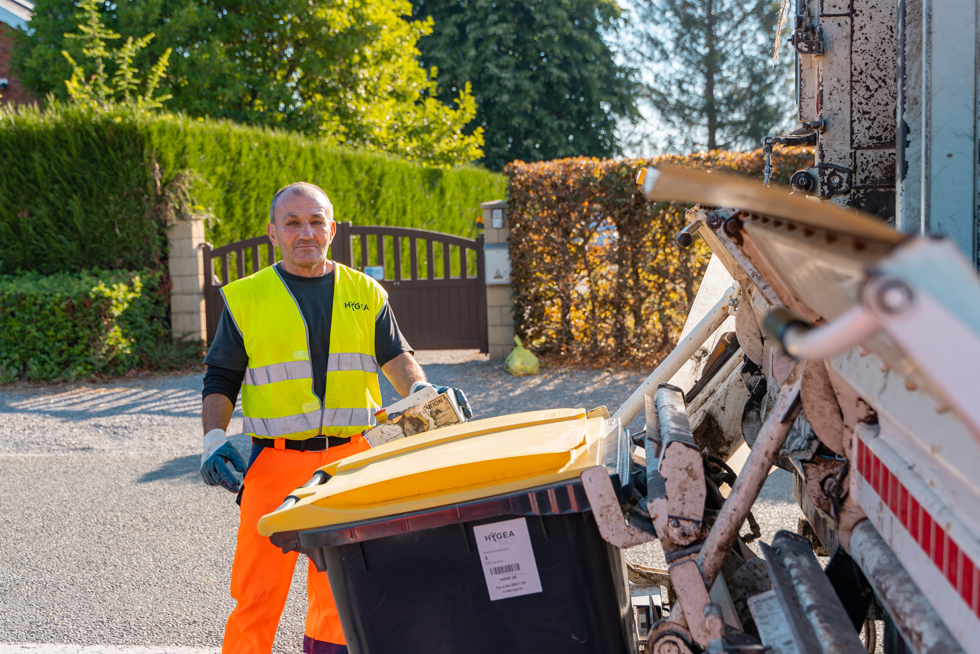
x: 319, y: 477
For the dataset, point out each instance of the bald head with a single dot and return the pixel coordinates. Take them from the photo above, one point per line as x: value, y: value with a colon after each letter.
x: 306, y: 189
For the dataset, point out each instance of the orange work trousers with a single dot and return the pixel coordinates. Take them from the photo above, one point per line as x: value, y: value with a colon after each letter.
x: 261, y: 574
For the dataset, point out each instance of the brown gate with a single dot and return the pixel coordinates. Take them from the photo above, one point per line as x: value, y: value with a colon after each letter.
x: 435, y: 281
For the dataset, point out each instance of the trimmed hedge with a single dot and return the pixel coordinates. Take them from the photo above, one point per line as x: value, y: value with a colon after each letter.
x: 81, y: 189
x: 597, y: 275
x: 70, y: 326
x: 241, y: 168
x: 76, y: 192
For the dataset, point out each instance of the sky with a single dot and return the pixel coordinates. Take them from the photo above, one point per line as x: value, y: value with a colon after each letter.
x: 642, y: 139
x: 638, y: 140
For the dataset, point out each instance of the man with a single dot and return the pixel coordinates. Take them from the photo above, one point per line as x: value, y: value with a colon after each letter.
x: 302, y: 340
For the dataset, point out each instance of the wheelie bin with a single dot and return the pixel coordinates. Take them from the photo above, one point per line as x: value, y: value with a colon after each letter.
x: 475, y: 538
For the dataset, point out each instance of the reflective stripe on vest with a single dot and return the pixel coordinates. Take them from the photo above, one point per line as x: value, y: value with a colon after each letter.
x: 278, y: 372
x: 352, y: 361
x: 277, y: 393
x: 283, y: 427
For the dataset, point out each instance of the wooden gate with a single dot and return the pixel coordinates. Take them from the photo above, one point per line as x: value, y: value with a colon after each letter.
x: 435, y: 281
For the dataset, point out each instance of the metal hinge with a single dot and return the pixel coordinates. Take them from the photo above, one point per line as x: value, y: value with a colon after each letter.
x: 807, y: 36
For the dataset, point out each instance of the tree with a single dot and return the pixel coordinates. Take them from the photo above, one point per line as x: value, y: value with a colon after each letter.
x: 546, y: 83
x: 712, y: 82
x: 96, y: 90
x: 344, y: 71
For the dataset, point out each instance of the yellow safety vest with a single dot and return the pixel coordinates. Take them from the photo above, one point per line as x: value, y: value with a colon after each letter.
x: 277, y: 393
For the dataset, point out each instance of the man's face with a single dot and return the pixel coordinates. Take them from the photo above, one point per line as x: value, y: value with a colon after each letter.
x: 303, y: 228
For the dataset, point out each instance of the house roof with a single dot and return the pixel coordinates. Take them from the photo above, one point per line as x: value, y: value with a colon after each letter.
x: 16, y: 13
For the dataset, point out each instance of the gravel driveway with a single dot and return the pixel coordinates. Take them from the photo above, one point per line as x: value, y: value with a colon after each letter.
x: 110, y: 537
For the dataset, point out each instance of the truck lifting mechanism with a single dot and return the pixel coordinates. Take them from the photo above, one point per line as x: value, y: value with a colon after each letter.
x: 836, y: 335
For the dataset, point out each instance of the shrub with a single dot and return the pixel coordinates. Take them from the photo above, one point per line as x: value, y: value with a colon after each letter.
x: 83, y: 189
x: 597, y: 275
x: 69, y: 326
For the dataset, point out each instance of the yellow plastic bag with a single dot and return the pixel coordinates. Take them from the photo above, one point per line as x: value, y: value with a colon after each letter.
x: 520, y: 362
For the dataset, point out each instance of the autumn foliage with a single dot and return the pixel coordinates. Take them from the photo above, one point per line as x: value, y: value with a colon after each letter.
x: 597, y: 275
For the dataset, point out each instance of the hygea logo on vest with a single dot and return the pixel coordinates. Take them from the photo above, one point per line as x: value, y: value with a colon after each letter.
x: 356, y: 306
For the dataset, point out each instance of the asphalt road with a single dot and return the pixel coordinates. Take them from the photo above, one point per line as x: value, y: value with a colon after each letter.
x: 109, y: 536
x: 115, y: 550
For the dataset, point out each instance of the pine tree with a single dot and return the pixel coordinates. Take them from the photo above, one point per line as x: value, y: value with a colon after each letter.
x: 712, y: 80
x: 546, y: 83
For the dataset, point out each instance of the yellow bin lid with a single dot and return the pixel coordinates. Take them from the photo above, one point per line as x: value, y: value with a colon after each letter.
x: 447, y: 466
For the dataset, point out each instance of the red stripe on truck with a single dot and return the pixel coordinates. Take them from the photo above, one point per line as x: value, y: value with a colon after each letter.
x: 958, y: 569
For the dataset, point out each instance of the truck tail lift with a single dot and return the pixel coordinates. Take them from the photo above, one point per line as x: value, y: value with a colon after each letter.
x: 858, y: 353
x: 859, y: 372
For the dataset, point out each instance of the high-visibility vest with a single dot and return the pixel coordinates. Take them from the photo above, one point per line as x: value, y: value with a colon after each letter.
x: 277, y: 393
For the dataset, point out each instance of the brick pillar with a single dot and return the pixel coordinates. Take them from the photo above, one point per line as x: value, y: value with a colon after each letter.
x: 11, y: 90
x: 500, y: 296
x: 187, y: 318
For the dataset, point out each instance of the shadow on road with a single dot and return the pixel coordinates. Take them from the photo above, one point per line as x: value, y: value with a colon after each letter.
x: 174, y: 469
x: 102, y: 401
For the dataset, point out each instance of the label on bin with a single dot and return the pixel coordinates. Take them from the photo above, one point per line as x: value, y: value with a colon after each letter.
x: 507, y: 558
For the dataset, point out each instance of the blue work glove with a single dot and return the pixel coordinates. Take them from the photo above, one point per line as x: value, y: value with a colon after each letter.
x: 460, y: 396
x: 218, y: 453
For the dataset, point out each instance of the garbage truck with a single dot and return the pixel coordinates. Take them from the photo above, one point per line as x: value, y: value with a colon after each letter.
x: 836, y: 336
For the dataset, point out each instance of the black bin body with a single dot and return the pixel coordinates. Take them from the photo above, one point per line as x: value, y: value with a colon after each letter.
x: 424, y: 592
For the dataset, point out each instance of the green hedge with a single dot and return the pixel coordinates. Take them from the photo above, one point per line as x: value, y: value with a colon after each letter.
x: 241, y: 168
x: 70, y: 326
x: 81, y: 189
x: 76, y: 192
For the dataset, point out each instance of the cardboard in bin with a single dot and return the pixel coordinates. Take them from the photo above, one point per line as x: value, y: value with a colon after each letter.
x: 447, y: 466
x: 422, y: 411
